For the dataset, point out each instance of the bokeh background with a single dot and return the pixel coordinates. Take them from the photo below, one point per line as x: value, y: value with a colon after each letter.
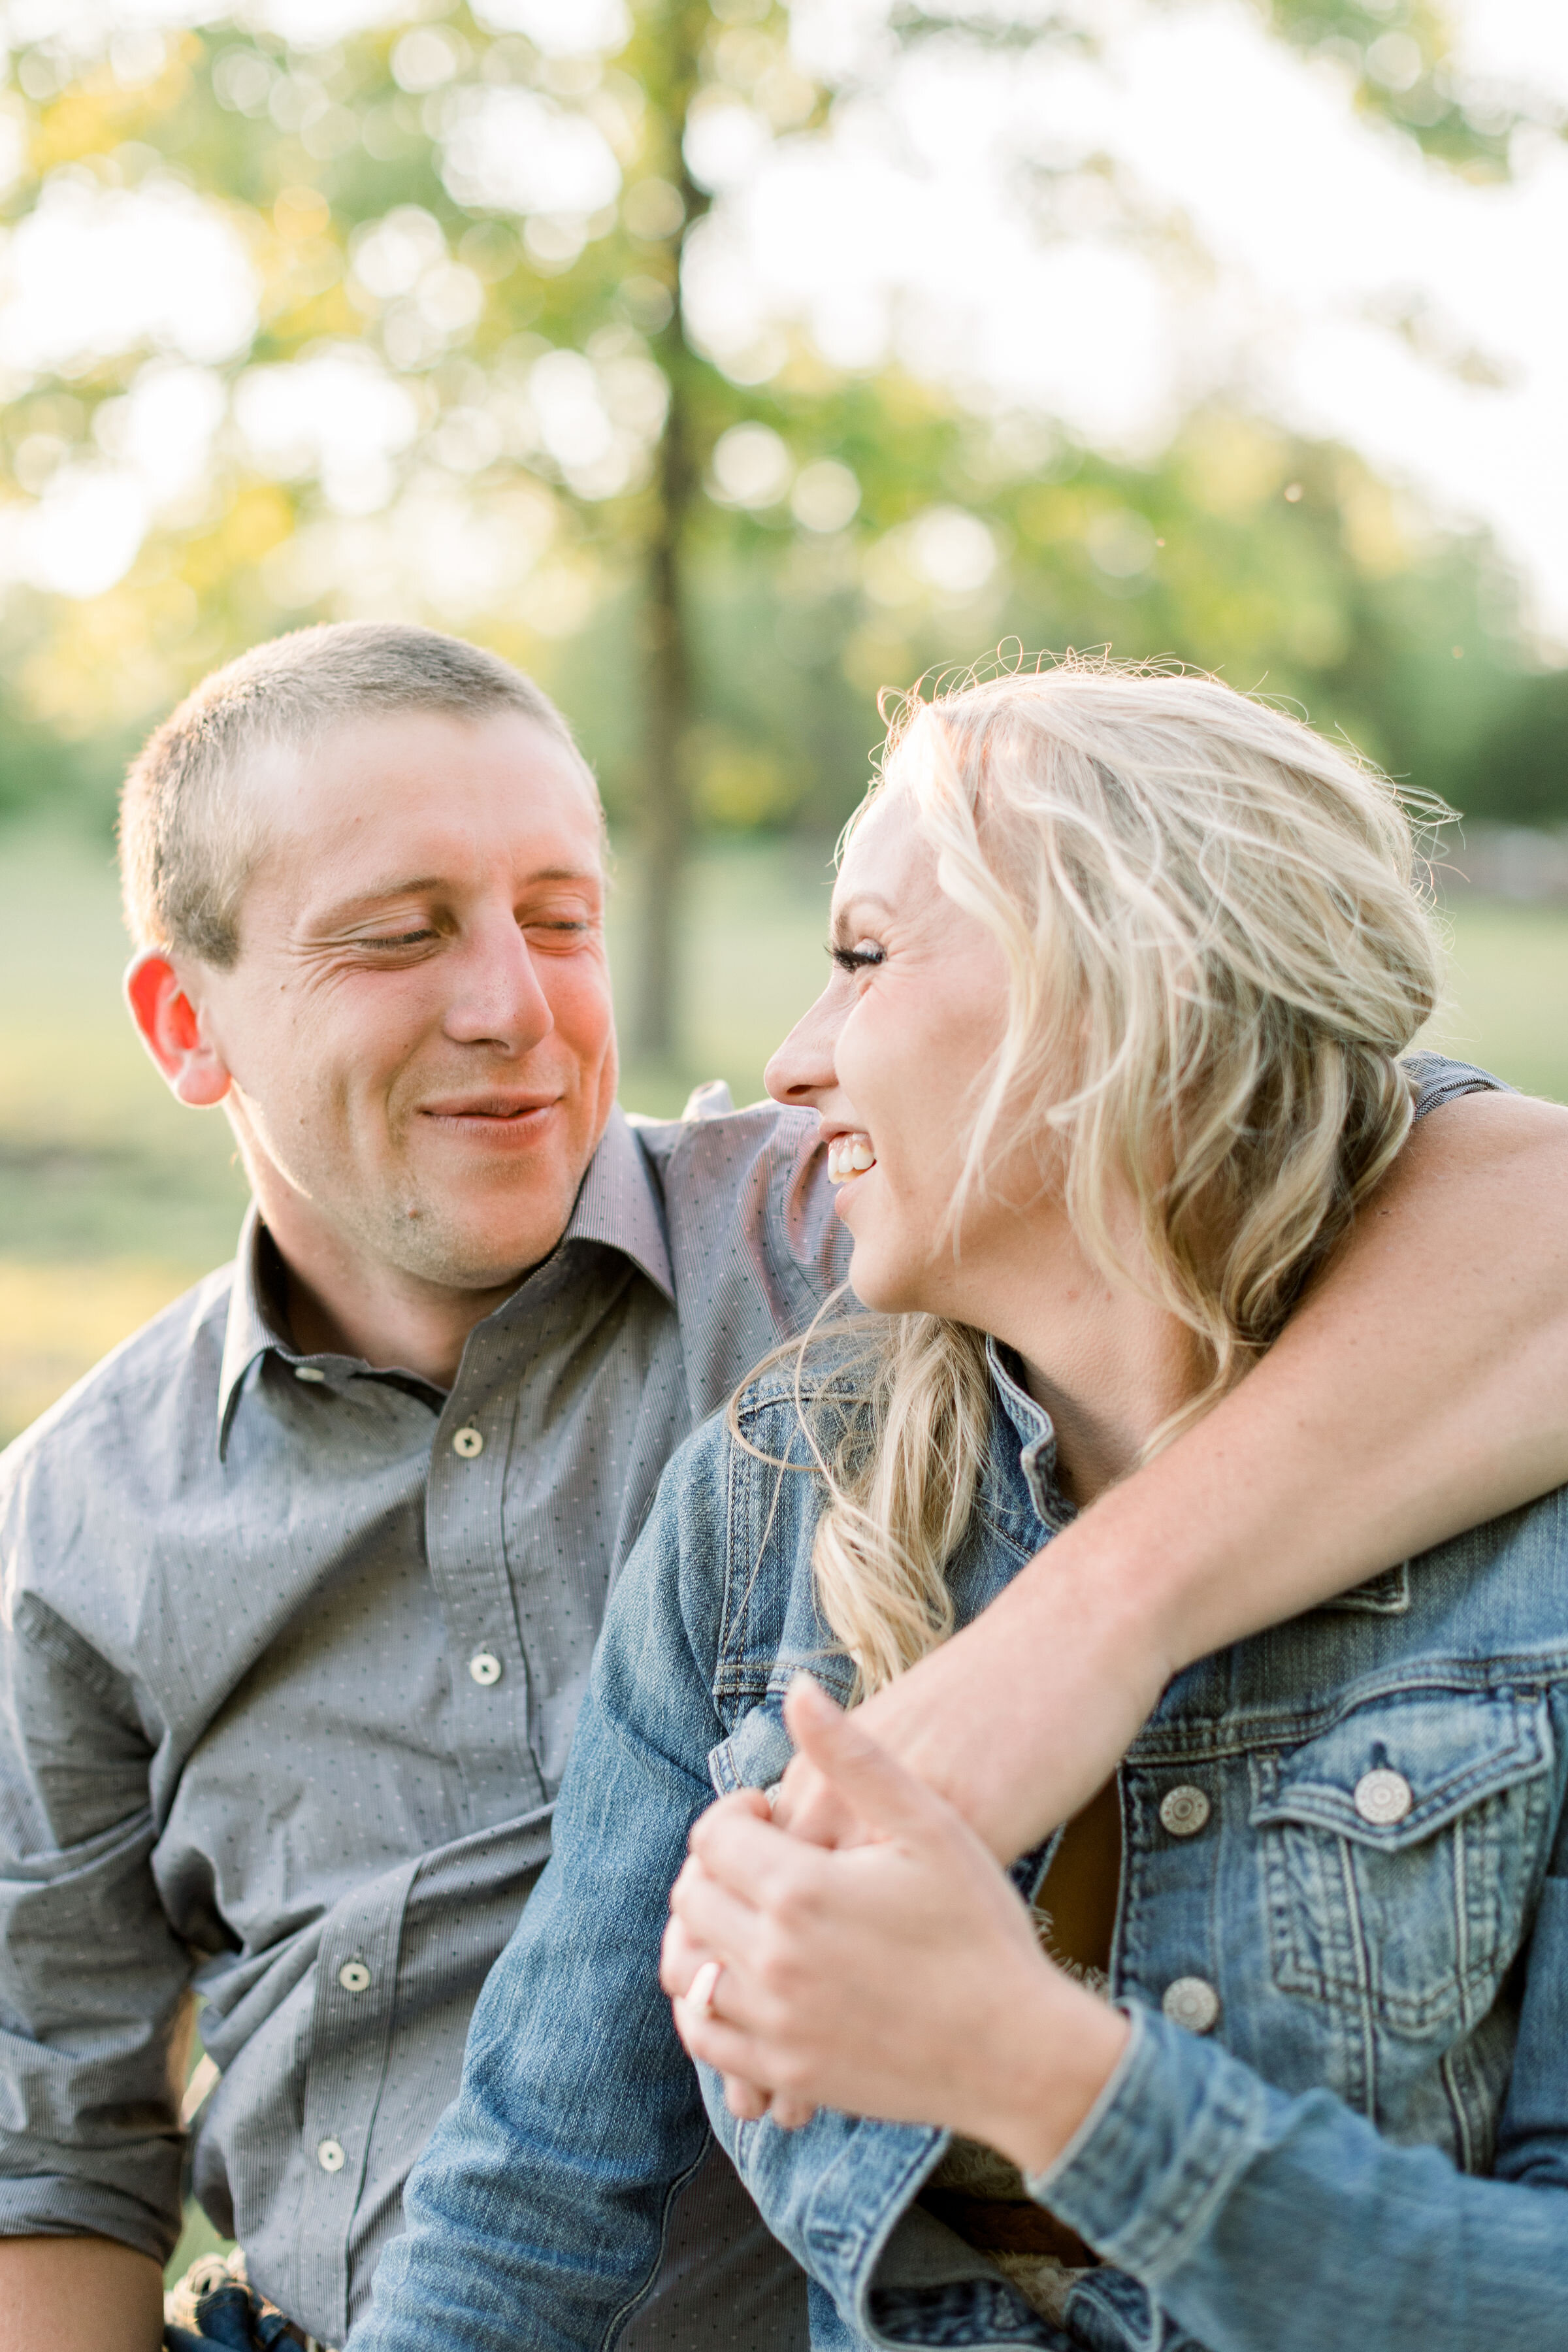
x: 725, y: 365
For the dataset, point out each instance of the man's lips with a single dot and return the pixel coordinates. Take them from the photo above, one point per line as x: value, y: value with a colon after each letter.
x: 491, y: 1113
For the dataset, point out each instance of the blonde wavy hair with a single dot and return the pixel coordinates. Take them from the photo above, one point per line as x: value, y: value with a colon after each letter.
x: 1216, y: 950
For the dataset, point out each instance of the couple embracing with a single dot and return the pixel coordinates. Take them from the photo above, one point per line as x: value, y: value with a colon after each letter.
x: 1148, y: 1442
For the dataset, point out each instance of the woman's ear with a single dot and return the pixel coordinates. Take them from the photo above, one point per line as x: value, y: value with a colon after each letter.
x: 173, y: 1032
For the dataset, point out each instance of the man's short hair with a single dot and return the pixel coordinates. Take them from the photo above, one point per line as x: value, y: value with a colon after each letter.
x: 189, y: 834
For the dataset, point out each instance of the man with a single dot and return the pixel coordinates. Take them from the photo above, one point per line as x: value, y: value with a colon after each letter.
x: 301, y: 1584
x: 307, y: 1578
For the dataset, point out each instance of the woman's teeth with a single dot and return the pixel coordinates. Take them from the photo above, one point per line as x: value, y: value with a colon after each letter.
x: 848, y: 1155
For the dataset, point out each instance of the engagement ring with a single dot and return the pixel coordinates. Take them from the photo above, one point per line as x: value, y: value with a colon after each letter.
x: 704, y: 1985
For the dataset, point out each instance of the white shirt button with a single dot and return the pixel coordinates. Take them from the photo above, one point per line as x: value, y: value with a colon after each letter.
x: 308, y: 1372
x: 1383, y: 1797
x: 468, y: 1442
x: 1191, y: 2003
x: 485, y: 1667
x: 329, y: 2156
x: 355, y: 1977
x: 1184, y: 1812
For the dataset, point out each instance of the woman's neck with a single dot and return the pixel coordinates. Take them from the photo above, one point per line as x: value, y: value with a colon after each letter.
x: 1105, y: 1362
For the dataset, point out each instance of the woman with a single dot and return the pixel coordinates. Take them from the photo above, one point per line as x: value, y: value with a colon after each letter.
x: 1125, y: 967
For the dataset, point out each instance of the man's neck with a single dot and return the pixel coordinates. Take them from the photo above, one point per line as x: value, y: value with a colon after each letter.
x: 415, y: 1328
x: 338, y: 1301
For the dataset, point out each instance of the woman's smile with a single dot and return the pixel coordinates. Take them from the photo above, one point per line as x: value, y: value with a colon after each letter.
x: 849, y: 1154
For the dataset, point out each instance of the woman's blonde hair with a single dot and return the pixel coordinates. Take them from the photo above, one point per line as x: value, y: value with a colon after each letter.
x: 1217, y: 950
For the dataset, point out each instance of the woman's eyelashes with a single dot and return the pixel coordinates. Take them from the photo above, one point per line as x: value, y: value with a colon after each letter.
x: 861, y: 957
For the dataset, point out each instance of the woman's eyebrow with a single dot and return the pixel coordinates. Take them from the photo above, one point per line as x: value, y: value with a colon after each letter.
x: 840, y: 924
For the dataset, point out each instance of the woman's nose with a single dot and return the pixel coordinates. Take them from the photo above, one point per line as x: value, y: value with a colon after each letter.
x: 803, y: 1067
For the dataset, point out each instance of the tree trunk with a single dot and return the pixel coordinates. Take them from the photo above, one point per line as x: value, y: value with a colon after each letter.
x: 665, y: 827
x: 666, y: 815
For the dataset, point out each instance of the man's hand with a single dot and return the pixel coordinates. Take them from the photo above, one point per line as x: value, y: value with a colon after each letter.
x: 78, y: 2295
x: 1019, y: 1719
x: 900, y: 1978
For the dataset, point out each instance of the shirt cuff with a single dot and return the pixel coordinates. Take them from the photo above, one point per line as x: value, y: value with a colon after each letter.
x: 52, y: 2206
x: 1148, y: 2169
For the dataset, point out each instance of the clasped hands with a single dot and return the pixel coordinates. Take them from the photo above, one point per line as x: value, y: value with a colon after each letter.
x: 859, y: 1948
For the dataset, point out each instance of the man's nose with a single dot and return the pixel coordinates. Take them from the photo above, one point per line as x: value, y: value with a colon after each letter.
x: 496, y: 997
x: 803, y: 1067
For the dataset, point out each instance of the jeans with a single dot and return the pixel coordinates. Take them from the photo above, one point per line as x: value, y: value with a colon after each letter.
x: 725, y: 2284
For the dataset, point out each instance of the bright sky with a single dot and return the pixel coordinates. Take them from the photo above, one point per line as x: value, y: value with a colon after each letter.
x: 1291, y: 252
x: 1320, y: 229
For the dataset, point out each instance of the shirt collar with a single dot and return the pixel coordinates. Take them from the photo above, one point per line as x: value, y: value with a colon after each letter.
x: 619, y: 1205
x: 616, y: 1206
x: 251, y: 1330
x: 1036, y: 1433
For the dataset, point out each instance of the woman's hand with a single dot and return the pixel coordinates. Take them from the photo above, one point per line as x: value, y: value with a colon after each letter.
x: 683, y: 1957
x: 900, y: 1979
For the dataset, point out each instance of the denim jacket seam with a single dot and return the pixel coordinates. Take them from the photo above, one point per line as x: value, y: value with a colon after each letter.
x: 736, y: 1670
x: 1220, y: 2147
x: 765, y: 1396
x: 615, y: 2326
x: 1176, y: 1740
x: 726, y: 1618
x: 996, y: 1517
x: 861, y: 2249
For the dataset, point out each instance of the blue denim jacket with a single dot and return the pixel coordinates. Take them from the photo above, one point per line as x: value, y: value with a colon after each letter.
x: 1370, y: 2145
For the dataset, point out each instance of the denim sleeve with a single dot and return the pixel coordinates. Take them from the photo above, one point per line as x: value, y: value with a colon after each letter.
x: 1267, y: 2224
x: 536, y: 2214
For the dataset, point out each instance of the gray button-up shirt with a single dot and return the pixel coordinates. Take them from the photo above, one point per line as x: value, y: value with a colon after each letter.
x: 292, y: 1651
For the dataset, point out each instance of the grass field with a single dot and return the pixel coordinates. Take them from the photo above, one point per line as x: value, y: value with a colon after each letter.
x: 113, y: 1198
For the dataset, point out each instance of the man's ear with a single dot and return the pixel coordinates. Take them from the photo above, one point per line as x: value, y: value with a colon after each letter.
x: 173, y: 1030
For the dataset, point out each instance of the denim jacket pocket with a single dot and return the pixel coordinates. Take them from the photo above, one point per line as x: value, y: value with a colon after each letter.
x: 757, y: 1752
x: 759, y: 1749
x: 1399, y: 1852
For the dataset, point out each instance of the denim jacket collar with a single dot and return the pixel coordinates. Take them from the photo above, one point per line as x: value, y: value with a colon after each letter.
x: 1036, y: 1435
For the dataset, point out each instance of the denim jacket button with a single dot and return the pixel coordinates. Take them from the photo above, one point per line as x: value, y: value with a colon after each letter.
x: 1191, y: 2003
x: 1184, y: 1812
x: 1383, y: 1797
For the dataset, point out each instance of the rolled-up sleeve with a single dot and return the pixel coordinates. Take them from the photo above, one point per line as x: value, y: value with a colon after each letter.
x: 1268, y: 2223
x: 94, y: 2005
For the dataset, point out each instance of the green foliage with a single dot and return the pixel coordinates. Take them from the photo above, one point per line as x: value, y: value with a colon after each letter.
x: 1284, y: 566
x: 1517, y: 768
x: 1398, y: 55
